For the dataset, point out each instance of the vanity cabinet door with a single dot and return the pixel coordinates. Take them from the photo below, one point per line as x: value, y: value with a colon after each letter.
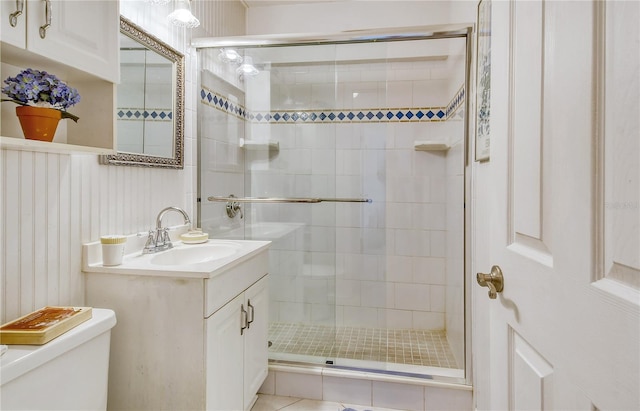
x: 256, y: 355
x: 82, y: 34
x: 225, y: 351
x: 237, y: 351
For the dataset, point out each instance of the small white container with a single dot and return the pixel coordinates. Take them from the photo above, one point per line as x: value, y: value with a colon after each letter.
x: 112, y: 249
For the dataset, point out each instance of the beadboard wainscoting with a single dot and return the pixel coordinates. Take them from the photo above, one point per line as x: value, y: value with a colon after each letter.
x: 53, y: 203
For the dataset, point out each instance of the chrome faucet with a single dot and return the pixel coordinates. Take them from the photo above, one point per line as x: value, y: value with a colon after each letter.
x: 158, y: 239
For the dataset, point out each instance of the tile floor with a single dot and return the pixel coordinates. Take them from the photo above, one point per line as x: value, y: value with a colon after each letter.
x: 275, y: 403
x: 414, y: 347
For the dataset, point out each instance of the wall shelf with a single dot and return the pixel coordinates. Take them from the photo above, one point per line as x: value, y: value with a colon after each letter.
x: 271, y: 146
x: 22, y: 144
x: 427, y: 145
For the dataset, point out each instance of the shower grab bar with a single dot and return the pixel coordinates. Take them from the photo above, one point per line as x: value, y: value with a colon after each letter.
x: 287, y: 200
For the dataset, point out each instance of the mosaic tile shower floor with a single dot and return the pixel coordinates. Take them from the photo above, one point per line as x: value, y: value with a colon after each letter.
x: 412, y: 347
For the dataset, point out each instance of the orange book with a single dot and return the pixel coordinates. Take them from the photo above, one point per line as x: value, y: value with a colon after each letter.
x: 43, y: 325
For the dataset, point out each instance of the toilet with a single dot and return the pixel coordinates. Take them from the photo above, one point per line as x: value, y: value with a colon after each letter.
x: 69, y: 372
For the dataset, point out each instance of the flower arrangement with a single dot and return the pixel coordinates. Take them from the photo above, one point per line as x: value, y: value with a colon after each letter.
x: 40, y: 89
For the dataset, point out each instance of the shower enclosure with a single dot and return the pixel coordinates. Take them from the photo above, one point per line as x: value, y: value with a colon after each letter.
x: 349, y: 155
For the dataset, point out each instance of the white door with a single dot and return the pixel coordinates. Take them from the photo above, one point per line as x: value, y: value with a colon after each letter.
x: 557, y: 208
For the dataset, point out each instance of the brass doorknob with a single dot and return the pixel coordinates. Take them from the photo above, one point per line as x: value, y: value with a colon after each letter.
x: 493, y: 280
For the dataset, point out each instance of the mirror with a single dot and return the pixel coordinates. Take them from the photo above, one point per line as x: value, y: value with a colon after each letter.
x: 150, y: 102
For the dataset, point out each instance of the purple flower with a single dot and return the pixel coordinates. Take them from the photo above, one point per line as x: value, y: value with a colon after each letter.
x: 30, y: 87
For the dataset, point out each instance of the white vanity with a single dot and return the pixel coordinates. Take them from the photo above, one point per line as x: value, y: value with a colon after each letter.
x: 192, y: 325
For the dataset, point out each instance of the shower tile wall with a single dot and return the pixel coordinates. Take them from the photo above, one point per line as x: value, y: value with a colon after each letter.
x: 221, y: 158
x: 399, y: 259
x: 391, y: 254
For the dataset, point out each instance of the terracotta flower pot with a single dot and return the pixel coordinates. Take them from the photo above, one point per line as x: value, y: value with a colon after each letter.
x: 38, y: 123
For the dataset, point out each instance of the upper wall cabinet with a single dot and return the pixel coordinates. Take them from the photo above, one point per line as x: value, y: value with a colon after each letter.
x: 78, y: 41
x: 82, y: 34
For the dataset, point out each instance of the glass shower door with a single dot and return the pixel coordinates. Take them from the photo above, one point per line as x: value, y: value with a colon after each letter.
x: 290, y: 153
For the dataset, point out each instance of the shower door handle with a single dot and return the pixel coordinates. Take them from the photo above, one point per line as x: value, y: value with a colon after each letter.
x: 493, y: 280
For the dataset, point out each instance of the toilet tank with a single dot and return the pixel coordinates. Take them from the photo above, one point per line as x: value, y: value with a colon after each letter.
x: 68, y: 373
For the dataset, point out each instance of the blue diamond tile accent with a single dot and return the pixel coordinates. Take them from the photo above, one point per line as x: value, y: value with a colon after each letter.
x: 120, y: 113
x: 171, y: 115
x: 129, y: 114
x: 162, y: 115
x: 232, y: 108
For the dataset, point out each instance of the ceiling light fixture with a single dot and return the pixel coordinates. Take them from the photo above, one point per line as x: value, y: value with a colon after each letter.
x: 159, y: 2
x: 182, y: 16
x: 230, y: 56
x: 247, y: 69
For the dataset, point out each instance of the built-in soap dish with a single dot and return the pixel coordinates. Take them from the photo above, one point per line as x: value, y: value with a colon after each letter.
x: 427, y: 145
x: 194, y: 237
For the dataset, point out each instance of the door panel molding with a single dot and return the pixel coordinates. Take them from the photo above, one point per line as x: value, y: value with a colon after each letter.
x: 617, y: 208
x: 529, y: 152
x: 530, y: 376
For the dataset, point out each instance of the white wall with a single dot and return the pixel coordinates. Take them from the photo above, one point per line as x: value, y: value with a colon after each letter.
x: 53, y: 203
x: 331, y: 17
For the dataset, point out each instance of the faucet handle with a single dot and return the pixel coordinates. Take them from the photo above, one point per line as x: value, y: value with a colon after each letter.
x: 150, y: 244
x: 166, y: 240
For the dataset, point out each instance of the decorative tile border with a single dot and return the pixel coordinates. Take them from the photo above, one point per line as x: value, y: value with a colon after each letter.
x: 456, y: 102
x: 213, y: 99
x: 142, y: 114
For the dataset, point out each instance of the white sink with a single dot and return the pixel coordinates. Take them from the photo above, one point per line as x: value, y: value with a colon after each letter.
x: 204, y: 260
x: 195, y: 254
